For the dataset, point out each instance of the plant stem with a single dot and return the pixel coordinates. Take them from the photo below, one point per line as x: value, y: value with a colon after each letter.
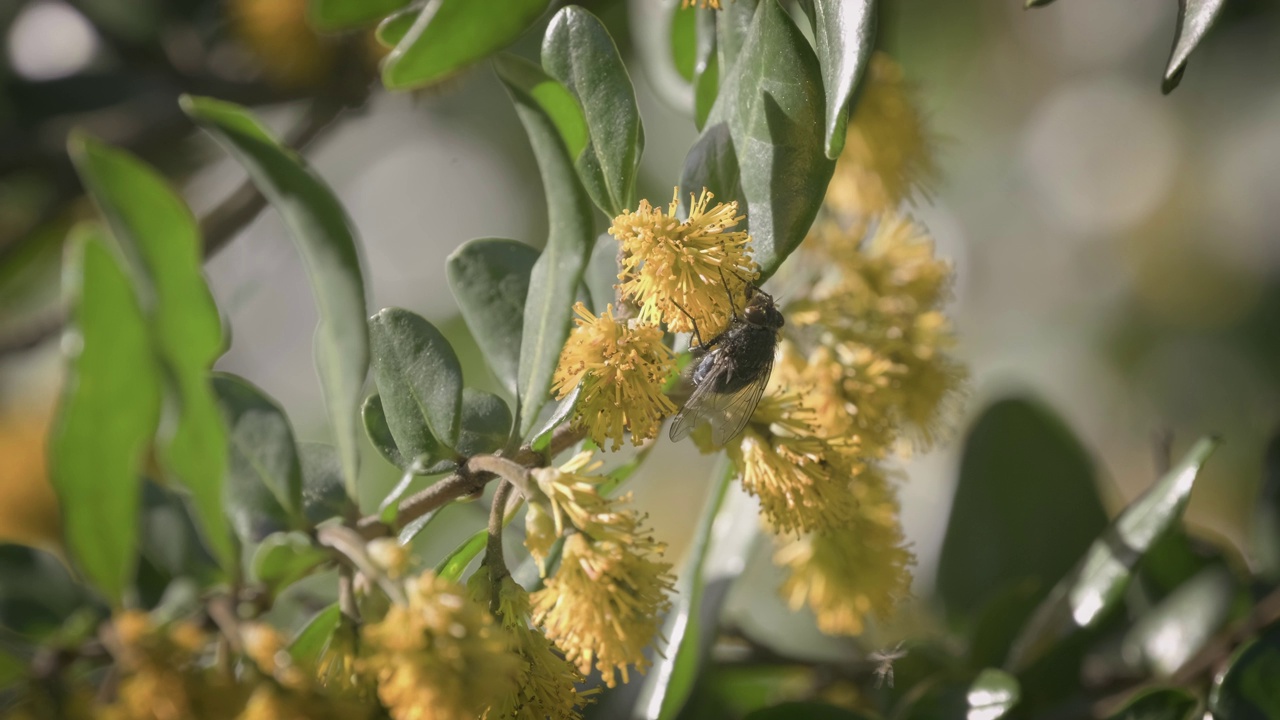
x: 493, y: 557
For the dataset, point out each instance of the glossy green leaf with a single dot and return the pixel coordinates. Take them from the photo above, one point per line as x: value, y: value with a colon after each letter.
x: 844, y: 34
x: 323, y: 494
x: 1168, y: 635
x: 1195, y: 17
x: 771, y: 103
x: 578, y: 52
x: 541, y: 439
x: 326, y: 240
x: 1159, y: 704
x: 553, y: 284
x: 1081, y: 599
x: 486, y: 423
x: 420, y: 381
x: 264, y: 477
x: 490, y: 280
x: 456, y: 562
x: 1247, y: 689
x: 331, y: 15
x: 160, y: 241
x: 423, y: 455
x: 1026, y: 506
x: 805, y: 711
x: 720, y: 547
x: 285, y: 558
x: 1266, y: 515
x: 448, y: 35
x: 314, y: 637
x: 37, y: 594
x: 108, y: 415
x: 733, y: 27
x: 993, y: 695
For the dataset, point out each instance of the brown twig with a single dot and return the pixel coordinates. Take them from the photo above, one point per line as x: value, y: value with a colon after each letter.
x: 494, y: 559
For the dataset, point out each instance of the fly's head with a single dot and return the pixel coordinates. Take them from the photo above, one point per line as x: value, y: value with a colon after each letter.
x: 761, y: 309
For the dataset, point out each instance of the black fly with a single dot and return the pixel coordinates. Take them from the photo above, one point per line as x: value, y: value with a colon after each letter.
x: 730, y: 371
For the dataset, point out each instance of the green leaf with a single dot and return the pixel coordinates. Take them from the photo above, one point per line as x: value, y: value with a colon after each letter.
x: 393, y: 28
x: 805, y: 711
x: 733, y: 27
x: 1159, y: 704
x: 331, y: 15
x: 110, y: 407
x: 541, y: 439
x: 993, y: 694
x: 171, y: 542
x: 844, y: 33
x: 1195, y: 17
x: 379, y: 432
x: 602, y: 274
x: 37, y: 594
x: 1266, y: 515
x: 554, y: 281
x: 420, y: 381
x: 1247, y: 689
x: 327, y: 243
x: 1026, y: 506
x: 996, y: 624
x: 706, y: 71
x: 714, y: 562
x: 160, y: 240
x: 578, y: 51
x: 1167, y: 636
x: 456, y: 562
x: 12, y: 669
x: 314, y: 637
x: 684, y: 41
x: 449, y: 35
x: 1081, y: 599
x: 771, y: 103
x: 323, y: 495
x: 486, y: 423
x: 285, y: 558
x: 264, y: 477
x: 490, y: 279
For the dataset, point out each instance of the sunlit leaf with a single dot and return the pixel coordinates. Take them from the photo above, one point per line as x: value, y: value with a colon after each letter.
x: 314, y: 637
x: 844, y: 35
x: 110, y: 407
x: 993, y: 694
x: 456, y: 562
x: 323, y: 495
x: 490, y: 280
x: 578, y: 52
x: 448, y: 35
x: 419, y: 378
x: 486, y: 423
x: 1081, y: 599
x: 553, y: 284
x: 325, y: 238
x: 1168, y: 635
x: 1195, y: 17
x: 160, y: 242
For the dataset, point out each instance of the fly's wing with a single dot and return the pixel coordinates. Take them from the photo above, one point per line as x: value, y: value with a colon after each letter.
x: 728, y: 413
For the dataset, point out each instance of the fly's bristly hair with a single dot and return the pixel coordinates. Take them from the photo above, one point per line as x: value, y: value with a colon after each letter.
x: 730, y: 371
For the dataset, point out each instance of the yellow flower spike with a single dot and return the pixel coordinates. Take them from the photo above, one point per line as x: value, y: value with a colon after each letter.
x: 670, y: 268
x: 853, y: 572
x: 441, y: 657
x: 888, y: 153
x: 621, y: 367
x: 802, y: 482
x: 704, y: 4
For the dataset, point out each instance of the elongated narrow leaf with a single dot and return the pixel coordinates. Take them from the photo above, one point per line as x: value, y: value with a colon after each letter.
x: 1248, y: 689
x: 330, y: 15
x: 490, y: 280
x: 264, y: 477
x: 456, y: 562
x: 1171, y: 633
x: 578, y: 51
x: 327, y: 243
x: 1081, y: 599
x: 160, y: 240
x: 993, y: 695
x: 1159, y: 704
x: 449, y: 35
x: 844, y: 33
x: 1195, y: 17
x: 109, y: 411
x: 706, y: 69
x: 723, y: 540
x: 541, y: 440
x: 418, y: 376
x: 314, y: 637
x: 1026, y: 506
x: 553, y: 284
x: 684, y: 41
x: 393, y: 29
x: 771, y: 103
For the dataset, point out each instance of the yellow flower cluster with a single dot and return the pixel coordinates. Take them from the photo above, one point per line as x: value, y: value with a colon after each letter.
x: 706, y: 4
x: 440, y: 657
x: 681, y: 274
x: 620, y: 368
x: 603, y: 605
x: 888, y: 152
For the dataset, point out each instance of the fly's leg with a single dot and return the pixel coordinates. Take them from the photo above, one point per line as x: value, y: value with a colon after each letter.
x: 696, y: 335
x: 732, y: 307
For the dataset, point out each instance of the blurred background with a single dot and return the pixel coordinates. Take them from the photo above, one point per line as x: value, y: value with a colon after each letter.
x: 1118, y: 251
